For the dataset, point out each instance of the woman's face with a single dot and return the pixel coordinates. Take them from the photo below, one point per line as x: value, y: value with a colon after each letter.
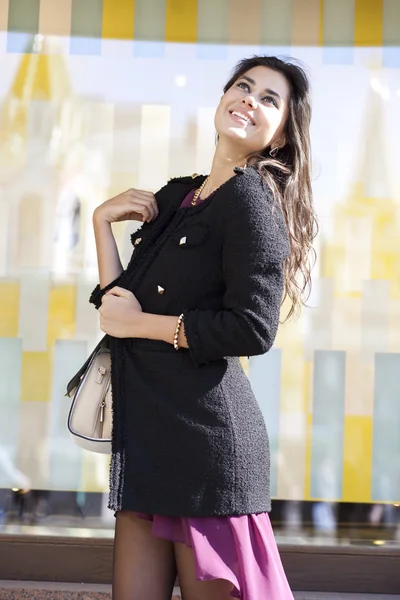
x: 253, y: 112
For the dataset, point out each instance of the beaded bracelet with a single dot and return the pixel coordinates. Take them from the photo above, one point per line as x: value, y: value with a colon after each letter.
x: 177, y: 330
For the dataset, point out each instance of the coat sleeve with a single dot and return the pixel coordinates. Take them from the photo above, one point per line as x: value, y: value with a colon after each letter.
x: 255, y: 247
x: 98, y: 292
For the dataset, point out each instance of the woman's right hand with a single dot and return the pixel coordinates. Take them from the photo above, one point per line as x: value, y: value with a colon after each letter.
x: 132, y: 205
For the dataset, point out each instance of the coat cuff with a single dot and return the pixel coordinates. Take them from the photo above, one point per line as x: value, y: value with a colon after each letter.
x: 196, y: 352
x: 98, y: 292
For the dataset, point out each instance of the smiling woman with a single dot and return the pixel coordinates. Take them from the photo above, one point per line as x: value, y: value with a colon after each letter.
x: 278, y: 92
x: 254, y: 109
x: 216, y: 254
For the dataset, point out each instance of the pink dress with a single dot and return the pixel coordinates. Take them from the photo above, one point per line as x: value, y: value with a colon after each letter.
x: 240, y: 549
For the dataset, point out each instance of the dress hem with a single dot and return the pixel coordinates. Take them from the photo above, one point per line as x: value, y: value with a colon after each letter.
x: 241, y: 550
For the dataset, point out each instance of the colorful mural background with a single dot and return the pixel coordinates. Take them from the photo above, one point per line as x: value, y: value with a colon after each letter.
x: 97, y: 96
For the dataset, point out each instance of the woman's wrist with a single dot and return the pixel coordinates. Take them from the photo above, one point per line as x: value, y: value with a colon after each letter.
x: 161, y: 328
x: 99, y: 220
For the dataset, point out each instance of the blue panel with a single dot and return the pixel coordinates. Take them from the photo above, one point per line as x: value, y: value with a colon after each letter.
x: 65, y: 457
x: 386, y: 429
x: 10, y: 392
x: 338, y: 55
x: 20, y: 43
x: 391, y: 57
x: 84, y: 45
x: 328, y: 424
x: 212, y: 51
x: 149, y: 49
x: 265, y: 379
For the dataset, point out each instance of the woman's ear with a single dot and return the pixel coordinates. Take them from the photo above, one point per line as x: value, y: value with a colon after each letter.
x: 281, y: 142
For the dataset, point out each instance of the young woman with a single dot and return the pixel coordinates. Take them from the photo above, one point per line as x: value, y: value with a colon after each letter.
x: 211, y: 265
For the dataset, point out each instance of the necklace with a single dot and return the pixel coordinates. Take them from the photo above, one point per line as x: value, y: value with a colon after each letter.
x: 198, y: 192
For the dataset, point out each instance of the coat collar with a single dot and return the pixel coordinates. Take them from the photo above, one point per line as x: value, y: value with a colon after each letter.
x: 178, y: 187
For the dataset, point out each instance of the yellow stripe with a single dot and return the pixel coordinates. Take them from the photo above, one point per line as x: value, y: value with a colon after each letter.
x: 95, y: 469
x: 9, y: 309
x: 118, y: 16
x: 36, y: 376
x: 62, y: 313
x: 181, y: 21
x: 357, y: 458
x: 308, y: 369
x: 368, y: 22
x: 307, y: 470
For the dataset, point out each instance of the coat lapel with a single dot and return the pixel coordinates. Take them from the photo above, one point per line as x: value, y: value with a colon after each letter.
x: 169, y: 199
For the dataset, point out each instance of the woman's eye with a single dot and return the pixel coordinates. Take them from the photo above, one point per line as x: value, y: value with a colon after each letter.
x: 270, y: 100
x: 244, y: 86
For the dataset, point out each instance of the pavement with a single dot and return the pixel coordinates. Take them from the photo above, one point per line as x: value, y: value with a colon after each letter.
x: 33, y: 590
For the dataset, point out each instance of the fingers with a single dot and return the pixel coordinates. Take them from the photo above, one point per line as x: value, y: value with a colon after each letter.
x: 148, y: 202
x: 147, y: 213
x: 119, y: 291
x: 133, y: 204
x: 144, y: 203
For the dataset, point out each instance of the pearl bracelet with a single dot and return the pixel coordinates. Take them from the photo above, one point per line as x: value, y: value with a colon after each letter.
x: 177, y: 330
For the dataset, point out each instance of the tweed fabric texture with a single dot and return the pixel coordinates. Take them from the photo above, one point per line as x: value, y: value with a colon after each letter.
x: 189, y: 438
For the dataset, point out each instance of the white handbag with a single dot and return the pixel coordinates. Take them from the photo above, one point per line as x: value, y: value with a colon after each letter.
x: 90, y: 416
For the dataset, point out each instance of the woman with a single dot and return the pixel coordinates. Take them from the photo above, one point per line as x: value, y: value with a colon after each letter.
x: 210, y: 267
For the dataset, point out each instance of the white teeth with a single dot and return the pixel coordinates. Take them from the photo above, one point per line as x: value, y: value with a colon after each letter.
x: 242, y: 116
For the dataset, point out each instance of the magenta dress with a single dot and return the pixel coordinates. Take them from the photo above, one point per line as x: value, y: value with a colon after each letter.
x: 241, y: 549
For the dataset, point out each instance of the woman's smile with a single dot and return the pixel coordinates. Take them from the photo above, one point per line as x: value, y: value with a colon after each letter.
x: 242, y: 118
x: 252, y: 113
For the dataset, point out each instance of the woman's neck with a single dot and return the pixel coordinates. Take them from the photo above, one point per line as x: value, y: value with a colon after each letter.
x: 222, y: 169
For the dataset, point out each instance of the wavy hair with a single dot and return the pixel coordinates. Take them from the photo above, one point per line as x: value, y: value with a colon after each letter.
x: 288, y: 174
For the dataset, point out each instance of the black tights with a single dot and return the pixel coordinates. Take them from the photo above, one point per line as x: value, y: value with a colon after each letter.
x: 145, y: 567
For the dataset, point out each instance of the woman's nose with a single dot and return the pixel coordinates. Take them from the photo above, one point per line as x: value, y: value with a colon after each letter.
x: 250, y: 101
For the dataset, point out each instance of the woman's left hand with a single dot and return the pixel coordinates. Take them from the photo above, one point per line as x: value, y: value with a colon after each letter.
x: 120, y: 313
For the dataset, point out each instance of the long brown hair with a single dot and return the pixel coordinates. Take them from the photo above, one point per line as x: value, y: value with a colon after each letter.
x: 288, y: 174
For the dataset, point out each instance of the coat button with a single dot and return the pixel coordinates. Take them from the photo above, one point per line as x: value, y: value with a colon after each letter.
x: 182, y: 241
x: 160, y: 290
x: 137, y: 242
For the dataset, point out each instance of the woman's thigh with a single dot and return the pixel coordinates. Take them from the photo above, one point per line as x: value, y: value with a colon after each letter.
x: 144, y: 566
x: 191, y: 588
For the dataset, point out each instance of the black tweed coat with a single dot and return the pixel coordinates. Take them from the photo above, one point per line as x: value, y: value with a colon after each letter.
x: 189, y: 438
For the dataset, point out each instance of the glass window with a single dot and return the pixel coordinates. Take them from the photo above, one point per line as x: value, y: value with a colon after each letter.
x: 89, y: 112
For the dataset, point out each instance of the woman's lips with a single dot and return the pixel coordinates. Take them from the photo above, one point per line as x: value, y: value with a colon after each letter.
x: 241, y: 118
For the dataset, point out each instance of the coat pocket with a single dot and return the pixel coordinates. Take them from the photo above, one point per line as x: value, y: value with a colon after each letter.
x: 191, y: 236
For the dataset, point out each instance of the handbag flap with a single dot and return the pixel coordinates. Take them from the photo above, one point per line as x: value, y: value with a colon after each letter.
x: 74, y: 382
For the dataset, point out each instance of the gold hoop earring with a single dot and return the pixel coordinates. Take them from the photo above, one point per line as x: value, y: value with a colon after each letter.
x: 274, y: 151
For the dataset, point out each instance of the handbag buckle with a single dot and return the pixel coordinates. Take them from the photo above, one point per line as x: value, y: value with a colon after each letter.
x: 101, y: 371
